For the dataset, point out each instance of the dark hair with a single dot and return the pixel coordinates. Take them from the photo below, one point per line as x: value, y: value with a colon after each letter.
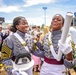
x: 33, y: 26
x: 12, y: 29
x: 16, y: 20
x: 38, y: 26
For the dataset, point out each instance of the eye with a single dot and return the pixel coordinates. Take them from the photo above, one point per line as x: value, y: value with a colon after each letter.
x: 53, y: 19
x: 59, y: 19
x: 24, y: 23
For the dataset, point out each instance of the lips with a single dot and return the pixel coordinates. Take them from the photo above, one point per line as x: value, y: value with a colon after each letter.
x: 54, y: 23
x: 27, y: 28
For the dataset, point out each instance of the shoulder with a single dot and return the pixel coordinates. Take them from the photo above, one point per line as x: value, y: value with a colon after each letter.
x: 10, y: 38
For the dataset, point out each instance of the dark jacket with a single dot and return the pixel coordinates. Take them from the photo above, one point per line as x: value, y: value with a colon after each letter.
x: 2, y: 37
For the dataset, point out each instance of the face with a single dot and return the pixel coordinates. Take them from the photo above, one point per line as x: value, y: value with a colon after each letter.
x: 23, y: 26
x: 9, y: 26
x: 57, y: 22
x: 38, y: 28
x: 0, y: 28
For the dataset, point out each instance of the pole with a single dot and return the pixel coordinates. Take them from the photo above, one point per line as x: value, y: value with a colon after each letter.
x: 44, y: 8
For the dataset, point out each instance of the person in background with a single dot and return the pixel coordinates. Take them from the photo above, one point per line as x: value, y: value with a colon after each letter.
x: 38, y: 28
x: 2, y: 36
x: 8, y: 31
x: 37, y: 46
x: 0, y: 28
x: 45, y: 31
x: 32, y: 30
x: 72, y: 32
x: 34, y: 27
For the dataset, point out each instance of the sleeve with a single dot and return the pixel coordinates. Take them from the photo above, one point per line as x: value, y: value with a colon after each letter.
x: 9, y: 42
x: 7, y: 49
x: 69, y: 64
x: 4, y: 35
x: 30, y: 43
x: 9, y: 68
x: 37, y: 52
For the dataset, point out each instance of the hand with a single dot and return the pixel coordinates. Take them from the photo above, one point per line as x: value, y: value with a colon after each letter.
x: 35, y: 41
x: 15, y: 72
x: 65, y: 48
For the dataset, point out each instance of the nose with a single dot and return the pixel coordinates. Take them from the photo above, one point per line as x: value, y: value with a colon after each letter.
x: 26, y: 25
x: 55, y: 19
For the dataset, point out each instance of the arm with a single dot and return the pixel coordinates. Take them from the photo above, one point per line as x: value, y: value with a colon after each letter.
x: 69, y: 61
x: 38, y: 52
x: 66, y: 49
x: 4, y: 36
x: 6, y: 49
x: 69, y: 56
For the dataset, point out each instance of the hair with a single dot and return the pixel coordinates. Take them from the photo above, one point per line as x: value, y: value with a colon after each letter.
x: 16, y: 21
x: 33, y: 27
x: 12, y: 29
x: 38, y: 35
x: 38, y: 26
x: 45, y: 29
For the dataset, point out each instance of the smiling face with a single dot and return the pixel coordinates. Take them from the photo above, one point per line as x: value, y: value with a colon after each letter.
x: 57, y: 22
x: 23, y: 25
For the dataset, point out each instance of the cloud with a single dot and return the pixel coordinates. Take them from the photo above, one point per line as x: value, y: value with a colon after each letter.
x: 38, y: 20
x: 8, y: 21
x: 33, y: 20
x: 35, y: 2
x: 8, y: 9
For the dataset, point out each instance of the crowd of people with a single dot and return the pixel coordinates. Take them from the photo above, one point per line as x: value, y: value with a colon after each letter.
x: 31, y: 49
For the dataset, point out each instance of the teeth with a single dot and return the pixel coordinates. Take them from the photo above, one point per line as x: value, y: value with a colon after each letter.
x: 26, y: 28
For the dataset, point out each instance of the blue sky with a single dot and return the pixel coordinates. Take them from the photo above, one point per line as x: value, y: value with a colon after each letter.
x: 32, y: 9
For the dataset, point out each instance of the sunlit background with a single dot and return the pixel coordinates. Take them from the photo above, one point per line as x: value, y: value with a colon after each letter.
x: 33, y: 10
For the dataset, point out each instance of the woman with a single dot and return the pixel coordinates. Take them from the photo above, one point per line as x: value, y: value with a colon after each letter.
x: 51, y: 65
x: 45, y: 31
x: 20, y: 43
